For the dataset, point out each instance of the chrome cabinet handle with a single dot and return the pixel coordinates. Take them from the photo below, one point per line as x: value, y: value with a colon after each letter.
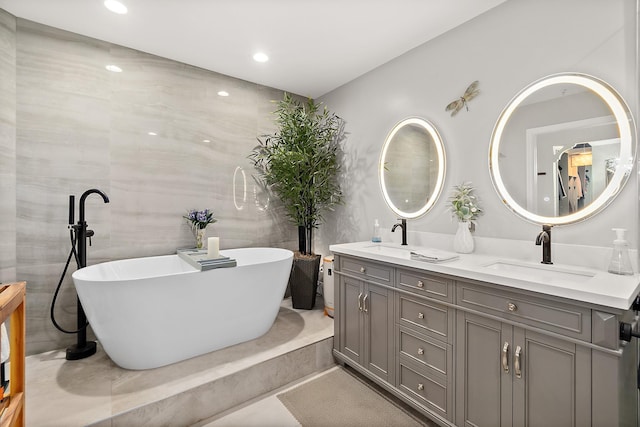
x: 420, y: 315
x: 420, y: 386
x: 512, y: 307
x: 360, y: 301
x: 364, y: 303
x: 362, y: 269
x: 505, y: 357
x: 420, y: 350
x: 516, y: 363
x: 420, y: 284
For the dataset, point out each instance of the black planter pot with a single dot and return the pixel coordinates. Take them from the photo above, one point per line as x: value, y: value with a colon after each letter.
x: 304, y: 281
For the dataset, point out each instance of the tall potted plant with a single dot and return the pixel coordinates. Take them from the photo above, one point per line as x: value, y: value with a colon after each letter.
x: 300, y: 163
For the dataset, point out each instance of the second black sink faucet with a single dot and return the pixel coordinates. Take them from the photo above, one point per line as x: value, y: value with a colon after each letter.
x: 403, y: 225
x: 544, y: 239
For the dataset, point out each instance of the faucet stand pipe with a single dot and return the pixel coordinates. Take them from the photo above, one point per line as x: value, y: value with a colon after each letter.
x: 82, y: 348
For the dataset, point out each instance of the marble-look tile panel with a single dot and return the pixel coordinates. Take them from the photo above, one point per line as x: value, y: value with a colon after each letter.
x: 209, y: 399
x: 7, y: 109
x: 7, y: 226
x: 43, y: 216
x: 135, y: 388
x: 7, y: 147
x: 180, y: 103
x: 67, y: 393
x: 62, y: 149
x: 7, y: 34
x: 42, y: 280
x: 292, y: 345
x: 53, y: 59
x: 63, y: 105
x: 80, y: 126
x: 324, y: 354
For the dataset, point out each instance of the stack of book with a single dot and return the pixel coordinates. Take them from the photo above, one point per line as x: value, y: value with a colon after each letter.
x: 200, y: 260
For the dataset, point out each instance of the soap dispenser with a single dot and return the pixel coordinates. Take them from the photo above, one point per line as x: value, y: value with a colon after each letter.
x: 620, y: 260
x: 375, y: 236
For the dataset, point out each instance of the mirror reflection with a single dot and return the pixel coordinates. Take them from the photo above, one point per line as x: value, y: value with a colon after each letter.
x: 562, y: 149
x: 412, y: 167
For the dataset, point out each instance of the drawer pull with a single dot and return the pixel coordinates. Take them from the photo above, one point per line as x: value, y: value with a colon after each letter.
x: 420, y: 315
x: 420, y: 386
x: 505, y: 357
x: 512, y: 307
x: 362, y: 269
x: 516, y: 363
x: 420, y: 350
x: 420, y: 284
x: 364, y: 303
x: 360, y: 301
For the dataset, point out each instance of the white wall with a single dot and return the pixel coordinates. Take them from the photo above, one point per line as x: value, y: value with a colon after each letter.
x: 505, y: 49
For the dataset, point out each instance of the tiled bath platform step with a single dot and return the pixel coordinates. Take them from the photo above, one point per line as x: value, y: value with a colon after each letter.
x: 94, y: 391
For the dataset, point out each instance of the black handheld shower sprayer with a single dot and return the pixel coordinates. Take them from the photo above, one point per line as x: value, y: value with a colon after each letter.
x: 78, y: 234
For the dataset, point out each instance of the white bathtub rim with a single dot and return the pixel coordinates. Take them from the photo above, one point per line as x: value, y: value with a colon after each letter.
x: 89, y: 273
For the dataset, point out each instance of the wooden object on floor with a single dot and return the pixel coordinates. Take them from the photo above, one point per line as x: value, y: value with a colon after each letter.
x: 12, y: 307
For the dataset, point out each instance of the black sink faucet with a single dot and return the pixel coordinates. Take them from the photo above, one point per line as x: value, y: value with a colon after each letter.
x: 403, y: 225
x: 544, y: 239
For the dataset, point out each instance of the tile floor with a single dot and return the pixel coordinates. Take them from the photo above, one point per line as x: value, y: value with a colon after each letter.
x: 268, y: 411
x: 265, y: 411
x: 96, y: 392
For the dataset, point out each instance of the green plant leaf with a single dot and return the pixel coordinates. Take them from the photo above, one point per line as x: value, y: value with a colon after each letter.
x: 300, y: 162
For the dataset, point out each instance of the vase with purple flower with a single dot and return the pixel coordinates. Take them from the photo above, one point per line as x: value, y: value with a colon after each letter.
x: 198, y: 220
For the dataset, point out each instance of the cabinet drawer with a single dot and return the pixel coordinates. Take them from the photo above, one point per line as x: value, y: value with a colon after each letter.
x: 431, y: 392
x: 426, y: 285
x: 425, y: 317
x: 557, y: 317
x: 367, y: 270
x: 433, y: 355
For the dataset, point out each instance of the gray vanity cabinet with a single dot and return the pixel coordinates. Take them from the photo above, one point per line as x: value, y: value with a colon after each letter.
x: 553, y: 384
x: 509, y: 376
x: 424, y: 340
x: 528, y: 378
x: 483, y: 394
x: 365, y: 322
x: 471, y: 353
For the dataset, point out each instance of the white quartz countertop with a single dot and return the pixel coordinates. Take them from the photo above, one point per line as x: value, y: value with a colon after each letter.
x: 566, y: 281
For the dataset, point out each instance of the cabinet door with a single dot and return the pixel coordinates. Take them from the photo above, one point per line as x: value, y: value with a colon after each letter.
x: 378, y: 333
x: 483, y: 385
x: 351, y: 322
x: 552, y: 386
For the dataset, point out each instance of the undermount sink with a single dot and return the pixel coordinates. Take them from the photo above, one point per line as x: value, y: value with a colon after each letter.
x: 395, y: 251
x: 540, y: 272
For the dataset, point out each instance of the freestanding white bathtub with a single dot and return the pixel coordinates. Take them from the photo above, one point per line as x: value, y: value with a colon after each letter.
x: 151, y: 312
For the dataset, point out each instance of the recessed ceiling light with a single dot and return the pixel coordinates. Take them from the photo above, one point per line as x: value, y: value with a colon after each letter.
x: 206, y: 140
x: 113, y: 68
x: 115, y: 7
x: 223, y: 93
x: 260, y: 57
x: 151, y: 133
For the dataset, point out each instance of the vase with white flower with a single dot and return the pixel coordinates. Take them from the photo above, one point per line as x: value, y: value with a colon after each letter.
x: 199, y: 220
x: 465, y: 208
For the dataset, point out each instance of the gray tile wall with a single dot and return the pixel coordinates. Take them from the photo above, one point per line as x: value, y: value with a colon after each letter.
x: 7, y: 147
x: 80, y: 126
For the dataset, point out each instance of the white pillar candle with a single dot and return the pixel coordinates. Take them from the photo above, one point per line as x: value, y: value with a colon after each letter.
x: 213, y: 247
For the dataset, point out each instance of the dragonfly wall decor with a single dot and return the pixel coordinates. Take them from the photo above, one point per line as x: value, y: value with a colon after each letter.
x: 471, y: 92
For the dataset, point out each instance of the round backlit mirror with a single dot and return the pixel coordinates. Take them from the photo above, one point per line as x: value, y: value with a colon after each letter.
x: 412, y: 167
x: 562, y: 149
